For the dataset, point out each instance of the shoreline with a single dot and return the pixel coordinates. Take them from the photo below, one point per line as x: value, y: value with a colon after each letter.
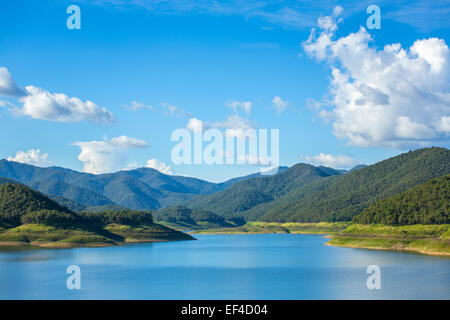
x: 429, y: 240
x: 417, y: 239
x: 70, y: 245
x: 43, y: 236
x: 401, y: 250
x: 354, y: 246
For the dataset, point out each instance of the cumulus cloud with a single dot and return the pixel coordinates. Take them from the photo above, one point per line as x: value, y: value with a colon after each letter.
x: 245, y: 106
x: 33, y: 157
x: 158, y: 165
x: 106, y: 155
x: 38, y: 103
x: 195, y: 125
x: 328, y: 160
x: 234, y: 125
x: 127, y: 142
x: 279, y: 104
x: 41, y: 104
x: 444, y: 125
x: 134, y: 106
x: 392, y: 97
x: 8, y: 87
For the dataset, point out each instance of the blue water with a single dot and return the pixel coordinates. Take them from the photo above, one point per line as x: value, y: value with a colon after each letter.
x: 267, y: 266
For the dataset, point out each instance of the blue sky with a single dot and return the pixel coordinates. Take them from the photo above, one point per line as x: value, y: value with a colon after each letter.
x: 200, y: 56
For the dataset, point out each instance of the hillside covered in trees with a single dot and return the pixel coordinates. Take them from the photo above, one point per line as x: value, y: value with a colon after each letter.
x: 349, y: 194
x: 17, y: 201
x: 29, y: 217
x: 428, y: 203
x: 244, y: 195
x: 304, y: 193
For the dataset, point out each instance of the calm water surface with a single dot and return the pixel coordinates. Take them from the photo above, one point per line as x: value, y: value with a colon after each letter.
x: 267, y: 266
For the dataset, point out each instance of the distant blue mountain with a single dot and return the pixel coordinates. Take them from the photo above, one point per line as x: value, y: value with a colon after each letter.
x: 139, y: 189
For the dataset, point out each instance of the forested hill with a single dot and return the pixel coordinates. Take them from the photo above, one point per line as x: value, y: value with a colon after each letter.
x: 16, y: 200
x: 427, y: 203
x: 27, y: 217
x: 349, y: 194
x: 247, y: 194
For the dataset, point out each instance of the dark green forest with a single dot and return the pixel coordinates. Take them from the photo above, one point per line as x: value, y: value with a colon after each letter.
x: 20, y: 204
x: 349, y: 194
x: 427, y: 203
x: 244, y: 195
x: 17, y: 200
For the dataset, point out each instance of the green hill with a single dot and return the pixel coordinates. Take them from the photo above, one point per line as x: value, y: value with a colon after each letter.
x: 427, y: 203
x: 29, y: 217
x: 343, y: 197
x: 250, y: 193
x: 16, y: 200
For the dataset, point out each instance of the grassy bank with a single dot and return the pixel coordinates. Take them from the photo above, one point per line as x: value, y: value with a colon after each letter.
x: 426, y: 239
x: 276, y: 227
x: 113, y: 234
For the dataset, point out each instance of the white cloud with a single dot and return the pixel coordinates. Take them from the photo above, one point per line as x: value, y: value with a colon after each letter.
x: 194, y: 125
x: 134, y: 106
x: 41, y: 104
x: 158, y: 165
x: 279, y: 104
x: 234, y: 125
x: 127, y: 142
x: 411, y: 130
x: 8, y: 87
x: 444, y: 125
x: 328, y: 160
x: 32, y: 156
x: 392, y: 97
x: 106, y: 155
x: 246, y: 106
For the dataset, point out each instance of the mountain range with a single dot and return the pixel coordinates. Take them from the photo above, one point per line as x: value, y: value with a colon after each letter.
x: 140, y: 189
x: 303, y: 192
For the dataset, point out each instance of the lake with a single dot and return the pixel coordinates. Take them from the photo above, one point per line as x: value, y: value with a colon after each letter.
x: 260, y: 266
